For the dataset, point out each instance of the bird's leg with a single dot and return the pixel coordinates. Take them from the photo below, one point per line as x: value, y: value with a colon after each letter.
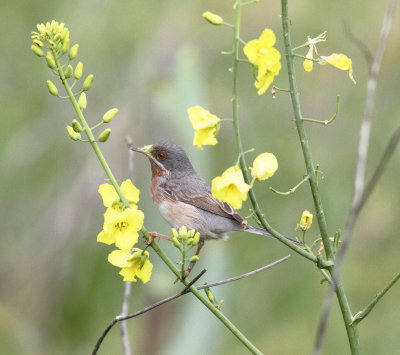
x: 154, y: 235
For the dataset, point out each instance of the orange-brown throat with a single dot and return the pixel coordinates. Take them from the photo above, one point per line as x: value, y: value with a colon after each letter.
x: 156, y: 170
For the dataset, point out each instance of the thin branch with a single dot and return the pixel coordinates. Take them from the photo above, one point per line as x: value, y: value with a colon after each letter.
x: 235, y: 278
x: 360, y: 171
x: 326, y: 122
x: 358, y: 317
x: 293, y: 189
x: 144, y: 310
x: 183, y: 292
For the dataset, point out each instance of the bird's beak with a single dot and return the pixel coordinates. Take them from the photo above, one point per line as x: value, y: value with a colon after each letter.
x: 146, y: 150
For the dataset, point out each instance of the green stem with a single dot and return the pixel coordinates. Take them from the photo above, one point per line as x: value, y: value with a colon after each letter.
x: 340, y: 292
x: 358, y: 317
x: 236, y: 126
x: 246, y: 342
x: 235, y: 331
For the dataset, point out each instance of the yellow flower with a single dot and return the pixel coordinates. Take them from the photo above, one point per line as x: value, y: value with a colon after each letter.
x: 305, y: 220
x: 121, y: 228
x: 339, y: 61
x: 308, y: 64
x: 230, y: 187
x: 132, y: 265
x: 264, y: 166
x: 205, y: 124
x: 111, y: 198
x: 212, y: 18
x: 265, y: 58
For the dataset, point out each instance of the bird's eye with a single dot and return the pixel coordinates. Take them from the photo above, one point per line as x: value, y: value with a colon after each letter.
x: 161, y: 156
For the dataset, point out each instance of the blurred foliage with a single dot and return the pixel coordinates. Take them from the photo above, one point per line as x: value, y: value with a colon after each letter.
x: 152, y: 60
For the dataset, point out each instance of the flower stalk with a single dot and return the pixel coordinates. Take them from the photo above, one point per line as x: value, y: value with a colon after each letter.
x: 340, y: 292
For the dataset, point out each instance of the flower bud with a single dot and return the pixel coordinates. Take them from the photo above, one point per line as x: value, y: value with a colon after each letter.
x: 73, y: 52
x: 176, y: 243
x: 78, y: 71
x: 52, y: 88
x: 65, y: 45
x: 183, y: 232
x: 50, y: 61
x: 194, y: 259
x: 38, y: 51
x: 68, y: 72
x: 196, y: 238
x: 209, y: 294
x: 264, y: 166
x: 305, y: 220
x: 103, y: 136
x: 82, y: 101
x: 174, y: 233
x: 38, y: 42
x: 74, y: 135
x: 87, y: 84
x: 76, y: 126
x: 109, y: 115
x: 212, y: 18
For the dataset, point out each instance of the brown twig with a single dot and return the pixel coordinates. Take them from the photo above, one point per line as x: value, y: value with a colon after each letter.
x: 360, y: 192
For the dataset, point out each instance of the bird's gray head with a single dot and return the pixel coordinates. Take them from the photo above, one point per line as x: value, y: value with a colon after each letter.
x: 166, y: 157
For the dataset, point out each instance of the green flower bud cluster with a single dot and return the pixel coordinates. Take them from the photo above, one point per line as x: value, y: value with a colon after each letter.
x: 183, y: 237
x: 51, y: 41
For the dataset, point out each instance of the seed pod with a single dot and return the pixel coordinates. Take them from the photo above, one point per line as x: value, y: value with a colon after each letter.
x: 52, y: 88
x: 68, y: 72
x: 87, y: 84
x: 50, y: 61
x: 82, y: 101
x: 194, y: 259
x: 76, y: 126
x: 38, y: 51
x: 65, y: 46
x: 74, y: 135
x: 103, y: 136
x: 73, y: 52
x: 78, y: 71
x: 109, y: 115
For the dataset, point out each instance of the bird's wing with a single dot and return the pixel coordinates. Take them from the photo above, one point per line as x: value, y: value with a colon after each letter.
x: 198, y: 194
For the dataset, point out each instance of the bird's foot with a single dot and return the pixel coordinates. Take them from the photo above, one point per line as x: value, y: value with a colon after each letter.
x: 154, y: 235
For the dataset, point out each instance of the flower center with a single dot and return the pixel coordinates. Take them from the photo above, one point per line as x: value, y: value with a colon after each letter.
x: 121, y: 226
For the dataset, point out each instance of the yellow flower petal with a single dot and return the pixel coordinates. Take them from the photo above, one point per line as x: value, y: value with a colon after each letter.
x: 305, y: 220
x: 130, y: 191
x: 341, y: 62
x: 108, y: 194
x: 119, y: 258
x: 200, y: 118
x: 205, y: 136
x: 308, y: 64
x: 264, y: 166
x: 230, y: 187
x: 130, y: 273
x: 267, y: 38
x: 105, y: 238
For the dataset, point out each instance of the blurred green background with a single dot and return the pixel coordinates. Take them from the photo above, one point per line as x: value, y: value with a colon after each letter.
x: 152, y: 60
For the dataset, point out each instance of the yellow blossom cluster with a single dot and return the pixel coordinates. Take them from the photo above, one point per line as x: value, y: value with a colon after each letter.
x: 206, y: 126
x: 121, y: 227
x: 54, y: 34
x: 265, y: 58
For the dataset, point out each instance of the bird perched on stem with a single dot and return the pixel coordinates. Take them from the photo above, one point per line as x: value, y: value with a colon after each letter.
x: 184, y: 198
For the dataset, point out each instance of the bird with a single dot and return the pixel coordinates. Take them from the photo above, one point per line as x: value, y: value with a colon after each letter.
x: 183, y: 198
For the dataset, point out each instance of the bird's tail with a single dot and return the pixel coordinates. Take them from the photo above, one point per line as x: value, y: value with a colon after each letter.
x: 261, y: 231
